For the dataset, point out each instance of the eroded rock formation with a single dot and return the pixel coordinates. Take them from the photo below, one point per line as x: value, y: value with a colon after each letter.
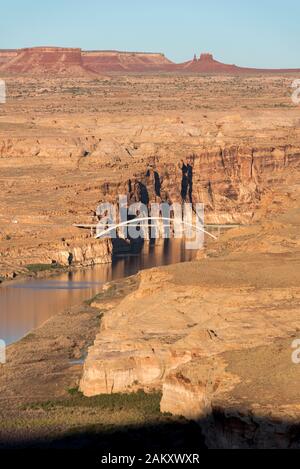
x: 116, y: 61
x: 6, y: 55
x: 216, y: 336
x: 229, y: 181
x: 74, y: 143
x: 46, y: 60
x: 207, y: 64
x: 74, y: 62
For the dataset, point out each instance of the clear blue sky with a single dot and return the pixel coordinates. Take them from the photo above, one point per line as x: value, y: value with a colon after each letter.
x: 262, y: 33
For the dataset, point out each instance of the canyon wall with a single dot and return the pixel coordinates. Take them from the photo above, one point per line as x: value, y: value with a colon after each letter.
x: 229, y: 181
x: 72, y: 144
x: 214, y: 336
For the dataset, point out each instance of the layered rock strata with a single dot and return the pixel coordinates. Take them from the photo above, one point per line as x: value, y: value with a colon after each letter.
x: 46, y: 60
x: 74, y: 62
x: 229, y: 181
x: 66, y: 145
x: 6, y: 55
x: 216, y: 335
x: 116, y: 61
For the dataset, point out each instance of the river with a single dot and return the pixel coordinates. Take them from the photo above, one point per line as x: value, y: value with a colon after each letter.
x: 27, y: 304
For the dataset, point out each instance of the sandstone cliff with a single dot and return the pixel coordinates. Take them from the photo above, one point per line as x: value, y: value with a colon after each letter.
x: 230, y: 181
x: 73, y: 143
x: 216, y: 335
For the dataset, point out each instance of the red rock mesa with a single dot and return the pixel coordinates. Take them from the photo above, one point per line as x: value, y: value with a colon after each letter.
x: 74, y: 62
x: 6, y: 55
x: 107, y: 61
x: 42, y: 60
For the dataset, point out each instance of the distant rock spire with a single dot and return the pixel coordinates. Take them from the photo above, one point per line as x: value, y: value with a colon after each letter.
x: 206, y: 56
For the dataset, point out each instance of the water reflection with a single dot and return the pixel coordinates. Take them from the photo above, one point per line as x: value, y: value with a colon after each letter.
x: 28, y: 304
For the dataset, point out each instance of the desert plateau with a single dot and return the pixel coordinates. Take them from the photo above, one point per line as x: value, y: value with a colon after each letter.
x: 121, y: 343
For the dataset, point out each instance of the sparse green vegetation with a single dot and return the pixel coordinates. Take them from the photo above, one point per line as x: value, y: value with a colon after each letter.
x: 73, y: 391
x: 34, y: 268
x: 110, y: 293
x: 114, y: 420
x: 140, y: 402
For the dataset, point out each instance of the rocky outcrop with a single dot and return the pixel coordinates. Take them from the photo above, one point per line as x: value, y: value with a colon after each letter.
x: 207, y: 64
x: 163, y: 325
x: 76, y: 253
x: 241, y: 399
x: 85, y: 253
x: 58, y: 151
x: 216, y: 336
x: 230, y: 181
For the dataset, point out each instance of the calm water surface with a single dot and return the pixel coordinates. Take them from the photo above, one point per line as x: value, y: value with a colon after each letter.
x: 27, y: 304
